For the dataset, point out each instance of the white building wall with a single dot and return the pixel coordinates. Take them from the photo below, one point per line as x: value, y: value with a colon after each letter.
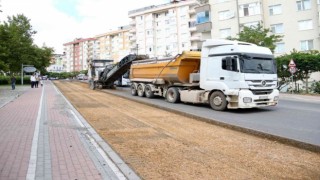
x: 161, y: 30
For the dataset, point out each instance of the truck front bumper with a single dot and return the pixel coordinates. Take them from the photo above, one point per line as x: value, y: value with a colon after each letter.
x: 246, y: 99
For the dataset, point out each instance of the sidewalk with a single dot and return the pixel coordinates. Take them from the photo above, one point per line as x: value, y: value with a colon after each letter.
x: 43, y: 137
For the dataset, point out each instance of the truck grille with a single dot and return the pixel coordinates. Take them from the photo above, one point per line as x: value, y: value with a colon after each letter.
x: 261, y: 83
x: 262, y: 92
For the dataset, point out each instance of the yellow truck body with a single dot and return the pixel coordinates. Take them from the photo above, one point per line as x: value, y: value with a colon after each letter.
x: 174, y: 70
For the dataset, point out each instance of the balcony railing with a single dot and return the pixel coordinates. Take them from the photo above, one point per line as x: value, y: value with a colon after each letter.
x: 192, y: 11
x: 195, y: 38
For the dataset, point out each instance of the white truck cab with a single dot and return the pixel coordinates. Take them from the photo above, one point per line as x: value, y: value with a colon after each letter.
x: 238, y: 74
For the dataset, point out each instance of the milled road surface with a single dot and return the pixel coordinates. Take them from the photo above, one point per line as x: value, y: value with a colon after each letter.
x: 159, y: 144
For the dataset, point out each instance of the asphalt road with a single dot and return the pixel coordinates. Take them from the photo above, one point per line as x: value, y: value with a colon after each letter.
x: 295, y: 117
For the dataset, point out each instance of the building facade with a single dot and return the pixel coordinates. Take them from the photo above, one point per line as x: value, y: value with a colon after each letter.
x: 57, y: 63
x: 113, y: 45
x: 77, y: 54
x: 164, y: 30
x: 296, y: 20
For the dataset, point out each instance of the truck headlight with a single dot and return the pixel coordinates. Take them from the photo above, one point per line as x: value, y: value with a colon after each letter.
x: 276, y: 98
x: 247, y: 99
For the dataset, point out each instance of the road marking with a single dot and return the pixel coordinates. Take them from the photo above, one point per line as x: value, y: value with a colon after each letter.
x: 33, y: 156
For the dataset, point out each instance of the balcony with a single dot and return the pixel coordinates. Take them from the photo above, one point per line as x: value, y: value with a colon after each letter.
x: 132, y: 23
x: 193, y: 29
x: 192, y: 11
x: 192, y: 20
x: 133, y: 31
x: 195, y: 38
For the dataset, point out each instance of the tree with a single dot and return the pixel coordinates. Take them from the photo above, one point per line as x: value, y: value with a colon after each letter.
x: 306, y: 63
x: 259, y: 36
x: 17, y: 47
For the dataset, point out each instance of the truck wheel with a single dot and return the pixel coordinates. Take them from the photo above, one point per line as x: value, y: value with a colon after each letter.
x: 140, y: 90
x: 133, y: 90
x: 218, y: 101
x: 173, y: 95
x: 148, y: 91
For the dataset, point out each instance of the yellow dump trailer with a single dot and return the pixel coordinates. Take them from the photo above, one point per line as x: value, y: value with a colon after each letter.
x: 168, y: 70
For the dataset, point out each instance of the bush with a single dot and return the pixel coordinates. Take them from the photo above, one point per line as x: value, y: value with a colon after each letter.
x: 6, y: 80
x: 315, y: 87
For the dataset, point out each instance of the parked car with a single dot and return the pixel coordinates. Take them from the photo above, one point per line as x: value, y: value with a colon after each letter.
x: 81, y: 77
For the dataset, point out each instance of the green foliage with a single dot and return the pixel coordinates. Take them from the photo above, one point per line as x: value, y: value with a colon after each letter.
x: 17, y: 48
x: 62, y: 75
x: 5, y: 80
x: 306, y: 63
x: 259, y: 36
x: 84, y: 72
x: 315, y: 87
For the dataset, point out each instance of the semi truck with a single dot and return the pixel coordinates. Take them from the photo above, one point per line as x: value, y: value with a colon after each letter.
x: 225, y: 74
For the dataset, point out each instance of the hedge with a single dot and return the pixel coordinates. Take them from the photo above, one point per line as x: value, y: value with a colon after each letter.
x: 5, y: 80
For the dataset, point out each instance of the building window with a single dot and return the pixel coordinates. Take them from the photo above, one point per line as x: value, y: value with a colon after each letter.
x: 303, y: 5
x: 203, y: 17
x: 279, y: 48
x: 224, y: 33
x: 318, y: 1
x: 305, y: 24
x: 306, y: 45
x: 249, y: 9
x: 274, y: 10
x: 223, y: 15
x: 277, y: 28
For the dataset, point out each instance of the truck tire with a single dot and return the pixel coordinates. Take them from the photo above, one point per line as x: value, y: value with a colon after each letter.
x: 218, y: 101
x: 140, y: 90
x: 148, y: 91
x: 173, y: 95
x: 133, y: 90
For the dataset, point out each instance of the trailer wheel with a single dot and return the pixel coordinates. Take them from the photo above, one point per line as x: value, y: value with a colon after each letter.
x: 148, y: 91
x: 218, y: 101
x: 140, y: 89
x: 133, y: 90
x: 173, y: 95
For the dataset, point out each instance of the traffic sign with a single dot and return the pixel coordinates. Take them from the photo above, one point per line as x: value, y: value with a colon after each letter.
x: 29, y: 69
x: 292, y: 64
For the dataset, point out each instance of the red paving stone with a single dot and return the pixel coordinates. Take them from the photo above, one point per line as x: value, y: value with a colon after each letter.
x: 69, y: 157
x: 17, y: 123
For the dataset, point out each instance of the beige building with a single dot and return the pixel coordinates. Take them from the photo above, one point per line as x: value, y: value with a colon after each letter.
x: 165, y: 29
x: 113, y: 45
x: 297, y: 20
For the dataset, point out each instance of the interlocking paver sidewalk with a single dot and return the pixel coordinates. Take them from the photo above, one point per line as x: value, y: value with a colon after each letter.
x: 41, y: 138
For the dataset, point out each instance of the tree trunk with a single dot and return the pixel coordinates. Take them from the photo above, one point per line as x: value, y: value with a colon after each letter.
x: 307, y: 84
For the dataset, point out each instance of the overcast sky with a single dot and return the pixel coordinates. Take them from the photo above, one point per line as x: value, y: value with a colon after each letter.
x: 61, y: 21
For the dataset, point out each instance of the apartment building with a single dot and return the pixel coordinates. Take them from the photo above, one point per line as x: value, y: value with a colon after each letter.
x: 77, y: 54
x: 56, y: 63
x: 296, y: 20
x: 164, y: 30
x: 113, y: 45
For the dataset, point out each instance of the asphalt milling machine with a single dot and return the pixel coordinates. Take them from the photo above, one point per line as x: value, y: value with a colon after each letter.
x: 113, y: 72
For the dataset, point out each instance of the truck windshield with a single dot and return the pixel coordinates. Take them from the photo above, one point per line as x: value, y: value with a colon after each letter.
x: 256, y: 64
